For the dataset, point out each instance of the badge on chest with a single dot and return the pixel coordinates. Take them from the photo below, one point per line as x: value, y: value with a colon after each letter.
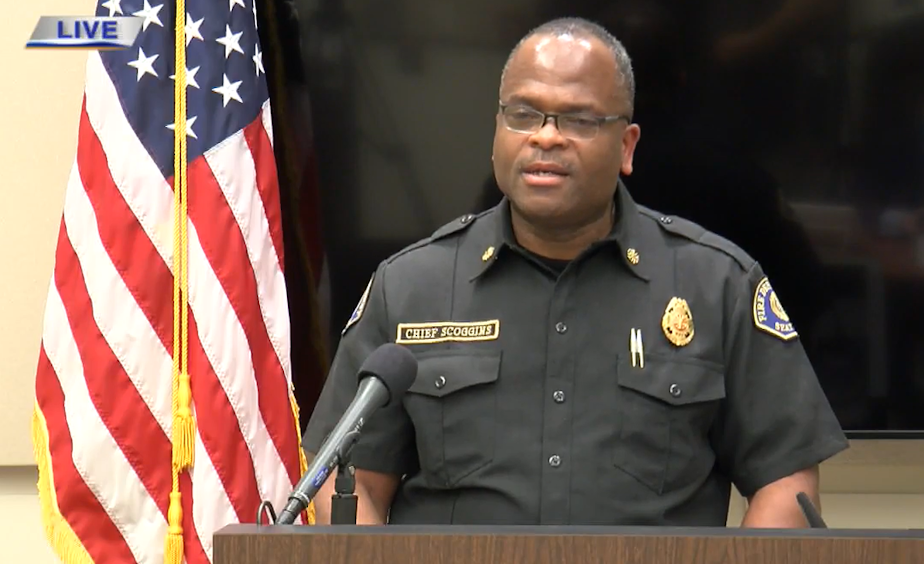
x: 677, y: 322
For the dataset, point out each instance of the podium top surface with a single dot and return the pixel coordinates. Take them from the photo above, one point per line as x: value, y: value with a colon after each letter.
x: 538, y: 530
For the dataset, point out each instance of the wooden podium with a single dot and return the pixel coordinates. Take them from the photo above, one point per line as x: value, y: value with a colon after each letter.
x: 253, y: 544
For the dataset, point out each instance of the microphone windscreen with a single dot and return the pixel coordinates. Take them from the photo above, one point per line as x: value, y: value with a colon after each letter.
x: 395, y: 366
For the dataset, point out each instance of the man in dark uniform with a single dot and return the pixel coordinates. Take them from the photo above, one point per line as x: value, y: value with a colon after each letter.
x: 582, y: 360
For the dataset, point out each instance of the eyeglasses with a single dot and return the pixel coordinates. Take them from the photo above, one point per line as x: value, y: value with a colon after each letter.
x: 524, y: 119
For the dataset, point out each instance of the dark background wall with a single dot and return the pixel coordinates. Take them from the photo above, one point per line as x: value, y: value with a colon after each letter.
x: 794, y: 128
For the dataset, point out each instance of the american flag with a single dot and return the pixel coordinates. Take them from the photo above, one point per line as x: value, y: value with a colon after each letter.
x: 105, y: 399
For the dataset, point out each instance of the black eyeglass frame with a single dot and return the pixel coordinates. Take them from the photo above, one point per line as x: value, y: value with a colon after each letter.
x: 598, y: 121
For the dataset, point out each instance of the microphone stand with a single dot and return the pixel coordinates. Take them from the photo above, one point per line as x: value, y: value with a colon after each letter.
x: 343, y: 502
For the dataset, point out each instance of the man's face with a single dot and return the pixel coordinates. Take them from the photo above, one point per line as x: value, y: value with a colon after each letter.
x: 549, y: 176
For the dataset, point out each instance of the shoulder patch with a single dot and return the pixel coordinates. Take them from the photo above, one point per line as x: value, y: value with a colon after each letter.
x: 360, y: 307
x: 769, y: 314
x: 698, y: 234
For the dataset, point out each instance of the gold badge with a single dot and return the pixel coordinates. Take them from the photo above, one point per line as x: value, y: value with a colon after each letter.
x: 677, y: 322
x: 769, y: 314
x: 632, y: 255
x: 360, y: 307
x: 447, y: 331
x: 487, y: 254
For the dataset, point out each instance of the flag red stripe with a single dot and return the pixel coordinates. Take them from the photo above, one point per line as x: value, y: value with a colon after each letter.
x: 267, y: 181
x: 121, y: 408
x: 79, y: 507
x: 128, y: 246
x: 224, y: 247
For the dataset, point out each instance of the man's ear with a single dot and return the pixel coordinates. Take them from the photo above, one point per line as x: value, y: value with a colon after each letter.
x: 629, y: 141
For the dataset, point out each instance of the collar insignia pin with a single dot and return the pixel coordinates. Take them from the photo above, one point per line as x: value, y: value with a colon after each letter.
x: 632, y: 255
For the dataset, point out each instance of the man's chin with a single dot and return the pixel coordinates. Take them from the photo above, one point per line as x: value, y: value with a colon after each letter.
x: 541, y: 208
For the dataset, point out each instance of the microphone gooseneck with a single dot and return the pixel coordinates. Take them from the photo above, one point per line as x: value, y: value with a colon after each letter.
x: 383, y: 379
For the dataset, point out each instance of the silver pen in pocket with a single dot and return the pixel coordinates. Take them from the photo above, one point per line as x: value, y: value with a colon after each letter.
x: 636, y: 348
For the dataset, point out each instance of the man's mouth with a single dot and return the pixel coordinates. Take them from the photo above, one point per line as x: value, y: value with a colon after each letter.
x: 544, y: 174
x: 545, y: 169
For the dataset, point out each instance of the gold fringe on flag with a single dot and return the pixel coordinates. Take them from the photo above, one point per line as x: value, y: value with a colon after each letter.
x: 64, y: 542
x: 183, y: 424
x: 302, y: 460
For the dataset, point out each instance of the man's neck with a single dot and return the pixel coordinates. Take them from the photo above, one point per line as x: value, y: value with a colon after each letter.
x: 561, y: 243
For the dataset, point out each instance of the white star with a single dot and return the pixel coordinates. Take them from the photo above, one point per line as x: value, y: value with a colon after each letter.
x: 192, y: 29
x: 190, y: 77
x: 255, y: 13
x: 149, y: 14
x: 189, y: 130
x: 258, y: 59
x: 233, y: 3
x: 228, y: 91
x: 114, y: 6
x: 231, y: 41
x: 144, y: 64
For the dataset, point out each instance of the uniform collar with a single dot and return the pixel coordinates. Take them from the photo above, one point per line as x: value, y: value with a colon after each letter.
x: 625, y: 240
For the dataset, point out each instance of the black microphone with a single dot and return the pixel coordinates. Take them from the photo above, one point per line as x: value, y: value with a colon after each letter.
x: 383, y: 379
x: 812, y: 516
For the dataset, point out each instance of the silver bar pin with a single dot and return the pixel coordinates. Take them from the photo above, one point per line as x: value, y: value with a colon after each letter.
x: 632, y: 350
x: 641, y: 349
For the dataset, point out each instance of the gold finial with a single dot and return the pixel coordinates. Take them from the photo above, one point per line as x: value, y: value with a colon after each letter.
x: 489, y: 252
x: 632, y: 255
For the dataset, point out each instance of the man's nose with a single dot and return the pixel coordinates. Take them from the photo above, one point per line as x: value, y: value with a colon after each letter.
x: 548, y: 135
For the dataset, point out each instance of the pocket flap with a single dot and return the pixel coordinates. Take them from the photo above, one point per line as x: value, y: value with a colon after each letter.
x: 447, y: 372
x: 676, y: 382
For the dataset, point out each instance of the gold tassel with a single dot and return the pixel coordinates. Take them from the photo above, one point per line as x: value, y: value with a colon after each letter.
x: 302, y: 460
x: 183, y: 429
x: 173, y: 546
x: 184, y: 426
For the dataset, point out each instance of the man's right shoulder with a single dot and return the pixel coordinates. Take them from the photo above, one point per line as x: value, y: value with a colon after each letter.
x: 440, y: 245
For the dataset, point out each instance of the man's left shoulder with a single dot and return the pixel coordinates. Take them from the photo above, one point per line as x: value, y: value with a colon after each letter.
x: 697, y: 240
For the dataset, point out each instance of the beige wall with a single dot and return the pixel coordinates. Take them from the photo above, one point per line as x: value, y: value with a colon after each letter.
x: 41, y: 96
x: 874, y: 485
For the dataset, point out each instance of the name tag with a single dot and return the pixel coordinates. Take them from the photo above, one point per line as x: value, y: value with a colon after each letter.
x: 447, y: 331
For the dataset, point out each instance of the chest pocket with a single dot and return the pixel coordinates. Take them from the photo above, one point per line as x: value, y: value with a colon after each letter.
x: 665, y: 413
x: 452, y: 404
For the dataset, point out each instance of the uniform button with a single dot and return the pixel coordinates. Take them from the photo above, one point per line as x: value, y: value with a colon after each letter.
x: 441, y: 381
x: 675, y: 390
x: 561, y: 327
x: 559, y: 396
x: 467, y: 218
x: 554, y: 461
x: 666, y: 220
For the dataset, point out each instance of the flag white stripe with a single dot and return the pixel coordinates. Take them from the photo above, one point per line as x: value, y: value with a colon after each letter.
x: 234, y: 169
x: 97, y: 458
x: 267, y: 116
x: 228, y: 351
x: 118, y: 316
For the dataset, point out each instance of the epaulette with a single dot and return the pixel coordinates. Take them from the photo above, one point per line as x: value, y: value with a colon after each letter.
x: 696, y: 233
x: 458, y: 224
x: 455, y: 226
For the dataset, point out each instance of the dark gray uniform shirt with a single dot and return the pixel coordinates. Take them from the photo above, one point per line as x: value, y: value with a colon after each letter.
x: 530, y: 406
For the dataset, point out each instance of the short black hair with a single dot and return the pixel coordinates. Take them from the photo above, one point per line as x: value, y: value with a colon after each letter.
x: 580, y: 27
